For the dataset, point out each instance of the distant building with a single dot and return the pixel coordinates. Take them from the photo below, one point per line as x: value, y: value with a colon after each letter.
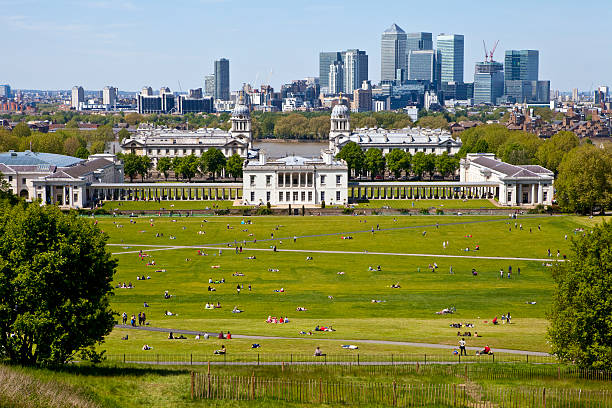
x: 451, y: 49
x: 362, y: 98
x: 521, y: 83
x: 77, y: 97
x: 418, y: 41
x: 423, y: 65
x: 392, y: 54
x: 326, y: 59
x: 209, y: 85
x: 109, y: 96
x: 5, y: 91
x: 336, y: 77
x: 488, y: 82
x: 355, y: 69
x: 222, y: 79
x: 295, y: 181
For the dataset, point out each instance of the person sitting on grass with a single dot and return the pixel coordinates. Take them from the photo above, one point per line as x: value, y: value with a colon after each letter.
x: 169, y: 313
x: 318, y: 352
x: 221, y: 350
x: 147, y: 347
x: 486, y: 350
x: 494, y: 321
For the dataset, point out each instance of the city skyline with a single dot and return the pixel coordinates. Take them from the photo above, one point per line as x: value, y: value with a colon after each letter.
x: 94, y: 43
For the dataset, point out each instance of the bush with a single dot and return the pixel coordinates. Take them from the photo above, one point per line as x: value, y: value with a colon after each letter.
x: 347, y: 210
x: 424, y: 211
x: 264, y: 211
x: 439, y: 211
x: 222, y: 211
x: 322, y: 204
x: 268, y: 205
x: 246, y: 211
x: 100, y: 211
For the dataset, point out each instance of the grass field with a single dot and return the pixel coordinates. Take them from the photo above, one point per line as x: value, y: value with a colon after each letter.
x: 438, y: 204
x: 404, y: 314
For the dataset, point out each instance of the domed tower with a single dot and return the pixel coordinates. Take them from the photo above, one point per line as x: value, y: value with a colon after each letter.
x: 340, y: 126
x: 241, y: 123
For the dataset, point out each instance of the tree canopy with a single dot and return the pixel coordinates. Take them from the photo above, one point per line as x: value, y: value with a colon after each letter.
x: 581, y: 317
x: 55, y: 283
x: 354, y: 157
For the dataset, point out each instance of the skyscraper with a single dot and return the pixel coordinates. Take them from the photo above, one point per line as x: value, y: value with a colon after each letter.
x: 521, y: 65
x: 488, y: 82
x: 355, y: 69
x: 5, y: 91
x: 109, y: 95
x: 325, y: 60
x: 450, y: 47
x: 209, y: 85
x: 335, y: 77
x: 78, y: 96
x: 392, y: 53
x: 418, y: 41
x: 422, y: 66
x: 222, y: 79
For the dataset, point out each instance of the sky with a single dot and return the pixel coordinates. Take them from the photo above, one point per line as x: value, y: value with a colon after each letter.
x: 132, y: 43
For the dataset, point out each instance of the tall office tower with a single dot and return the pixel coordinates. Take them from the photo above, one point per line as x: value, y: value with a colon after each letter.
x: 336, y: 77
x: 325, y: 60
x: 222, y: 79
x: 196, y: 93
x: 209, y: 85
x: 418, y: 41
x: 78, y: 96
x: 422, y: 66
x: 5, y: 91
x: 575, y: 94
x: 109, y: 95
x: 521, y: 65
x: 601, y: 95
x: 146, y: 91
x: 450, y: 47
x: 488, y: 82
x: 355, y: 69
x: 392, y: 53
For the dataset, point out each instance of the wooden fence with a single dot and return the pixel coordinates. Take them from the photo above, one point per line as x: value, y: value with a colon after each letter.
x: 206, y: 386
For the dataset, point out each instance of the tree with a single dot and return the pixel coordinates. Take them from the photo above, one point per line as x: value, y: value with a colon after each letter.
x: 419, y: 164
x: 433, y: 122
x: 71, y: 145
x: 234, y: 166
x: 354, y: 157
x: 374, y: 161
x: 213, y: 161
x: 446, y: 164
x: 394, y: 162
x: 97, y: 147
x: 176, y: 166
x: 82, y: 153
x: 55, y: 283
x: 585, y: 179
x: 131, y: 165
x: 72, y: 124
x: 580, y: 317
x: 551, y: 152
x: 188, y: 167
x: 21, y: 130
x: 430, y: 164
x: 164, y: 164
x: 124, y: 134
x: 144, y: 165
x: 318, y: 127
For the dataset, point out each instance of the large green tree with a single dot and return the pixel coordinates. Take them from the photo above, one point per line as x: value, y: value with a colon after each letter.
x: 131, y: 165
x: 188, y: 167
x: 145, y: 164
x: 374, y: 161
x: 551, y: 152
x: 585, y: 179
x: 55, y: 282
x: 446, y: 164
x: 419, y: 164
x: 354, y: 157
x: 21, y: 130
x: 164, y: 165
x: 395, y: 160
x: 234, y: 166
x: 213, y: 161
x: 581, y: 317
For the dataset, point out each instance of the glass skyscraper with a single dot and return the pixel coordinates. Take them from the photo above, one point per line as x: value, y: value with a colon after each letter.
x: 521, y: 65
x: 325, y: 60
x: 450, y: 47
x: 488, y: 82
x: 418, y: 41
x: 222, y: 79
x: 355, y: 69
x: 392, y: 53
x: 422, y: 66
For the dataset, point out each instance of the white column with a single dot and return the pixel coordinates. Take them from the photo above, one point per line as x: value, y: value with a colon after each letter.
x: 540, y: 193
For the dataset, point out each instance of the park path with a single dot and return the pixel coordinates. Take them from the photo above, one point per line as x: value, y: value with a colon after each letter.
x: 367, y: 341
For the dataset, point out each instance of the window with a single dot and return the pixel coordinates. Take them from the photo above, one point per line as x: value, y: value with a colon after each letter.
x: 23, y: 181
x: 267, y: 196
x: 544, y: 196
x: 280, y: 196
x: 303, y: 196
x: 173, y: 141
x: 322, y: 195
x: 252, y: 196
x: 76, y: 197
x: 281, y: 179
x: 509, y: 196
x: 167, y: 151
x: 337, y: 196
x: 288, y: 196
x: 184, y: 151
x: 338, y: 179
x: 10, y: 178
x: 295, y: 196
x: 268, y: 180
x: 322, y: 180
x: 310, y: 196
x: 150, y: 151
x: 252, y: 180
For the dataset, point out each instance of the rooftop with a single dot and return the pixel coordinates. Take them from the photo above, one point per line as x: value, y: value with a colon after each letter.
x: 29, y: 158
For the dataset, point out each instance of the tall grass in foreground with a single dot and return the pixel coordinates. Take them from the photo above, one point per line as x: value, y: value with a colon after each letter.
x: 20, y: 390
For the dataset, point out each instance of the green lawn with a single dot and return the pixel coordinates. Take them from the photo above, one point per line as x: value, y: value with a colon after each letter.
x: 438, y: 204
x: 165, y: 205
x: 405, y: 314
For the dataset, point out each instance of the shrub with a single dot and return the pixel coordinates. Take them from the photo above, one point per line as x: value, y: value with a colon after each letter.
x: 347, y: 210
x: 264, y: 211
x: 424, y: 211
x: 100, y: 211
x: 439, y: 211
x: 222, y: 211
x: 322, y: 204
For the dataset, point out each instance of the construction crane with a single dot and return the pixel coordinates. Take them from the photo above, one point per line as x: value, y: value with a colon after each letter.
x: 489, y: 54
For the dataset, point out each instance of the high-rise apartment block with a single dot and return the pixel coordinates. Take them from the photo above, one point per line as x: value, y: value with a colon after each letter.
x: 351, y: 65
x: 109, y: 95
x: 222, y: 79
x: 335, y: 77
x: 77, y: 97
x: 209, y: 85
x: 488, y: 82
x: 392, y: 54
x: 355, y: 69
x: 326, y: 59
x: 451, y: 49
x: 5, y: 91
x: 521, y: 82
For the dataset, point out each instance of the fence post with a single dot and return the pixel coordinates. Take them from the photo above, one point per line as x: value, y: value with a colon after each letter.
x: 253, y: 386
x: 544, y: 396
x: 493, y: 357
x: 291, y: 357
x: 460, y: 357
x: 283, y: 366
x: 391, y: 358
x: 320, y: 390
x: 425, y: 358
x: 325, y: 360
x: 192, y: 383
x: 465, y: 368
x: 394, y: 394
x: 527, y: 358
x: 208, y: 382
x: 257, y: 358
x: 123, y: 358
x: 157, y: 356
x: 357, y: 358
x: 454, y: 395
x: 191, y: 358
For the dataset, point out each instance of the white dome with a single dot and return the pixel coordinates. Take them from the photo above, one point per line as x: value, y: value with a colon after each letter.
x: 241, y: 111
x: 340, y: 111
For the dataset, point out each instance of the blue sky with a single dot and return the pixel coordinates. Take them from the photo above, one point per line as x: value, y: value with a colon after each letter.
x: 131, y: 43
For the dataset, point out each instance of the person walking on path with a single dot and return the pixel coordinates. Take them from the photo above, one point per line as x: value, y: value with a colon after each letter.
x: 462, y: 351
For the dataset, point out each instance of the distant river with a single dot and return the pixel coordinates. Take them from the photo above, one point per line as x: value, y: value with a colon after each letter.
x: 274, y: 148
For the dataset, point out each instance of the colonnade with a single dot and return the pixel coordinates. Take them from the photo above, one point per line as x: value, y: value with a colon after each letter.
x: 434, y: 190
x: 181, y: 191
